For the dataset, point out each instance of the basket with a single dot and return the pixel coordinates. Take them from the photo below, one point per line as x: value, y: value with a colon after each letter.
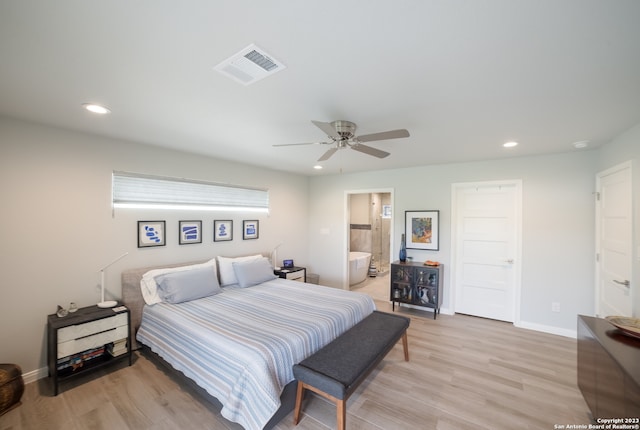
x: 11, y: 387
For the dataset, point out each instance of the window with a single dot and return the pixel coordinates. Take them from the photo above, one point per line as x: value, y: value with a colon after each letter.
x: 132, y: 190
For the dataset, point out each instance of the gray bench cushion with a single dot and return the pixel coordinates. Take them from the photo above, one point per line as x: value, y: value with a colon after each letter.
x: 339, y: 367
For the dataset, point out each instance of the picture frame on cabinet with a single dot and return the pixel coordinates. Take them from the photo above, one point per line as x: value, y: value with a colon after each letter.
x: 250, y: 229
x: 222, y: 230
x: 422, y: 229
x: 189, y: 232
x: 151, y: 233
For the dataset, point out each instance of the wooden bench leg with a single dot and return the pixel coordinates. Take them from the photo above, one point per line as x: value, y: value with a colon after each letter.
x: 296, y: 413
x: 341, y: 410
x: 405, y: 346
x: 341, y: 404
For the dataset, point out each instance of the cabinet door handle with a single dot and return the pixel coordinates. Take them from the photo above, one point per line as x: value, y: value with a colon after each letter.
x: 626, y: 283
x: 509, y: 261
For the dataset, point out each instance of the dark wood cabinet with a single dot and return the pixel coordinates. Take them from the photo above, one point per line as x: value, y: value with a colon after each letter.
x: 608, y: 369
x: 86, y: 340
x: 416, y: 284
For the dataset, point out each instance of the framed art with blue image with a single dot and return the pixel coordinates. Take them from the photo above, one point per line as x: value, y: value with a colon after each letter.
x: 151, y: 233
x: 190, y: 232
x: 422, y: 229
x: 222, y: 230
x: 250, y: 229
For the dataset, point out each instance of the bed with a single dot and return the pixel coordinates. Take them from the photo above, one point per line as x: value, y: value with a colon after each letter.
x: 239, y: 344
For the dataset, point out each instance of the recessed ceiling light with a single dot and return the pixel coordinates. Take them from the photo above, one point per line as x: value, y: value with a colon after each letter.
x: 581, y: 144
x: 92, y: 107
x: 317, y: 167
x: 510, y: 144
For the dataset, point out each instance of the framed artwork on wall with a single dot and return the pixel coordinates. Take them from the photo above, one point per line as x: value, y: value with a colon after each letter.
x: 421, y: 229
x: 250, y: 229
x: 222, y: 230
x: 190, y: 232
x: 151, y: 233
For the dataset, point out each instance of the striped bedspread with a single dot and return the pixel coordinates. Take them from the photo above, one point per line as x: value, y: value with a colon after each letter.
x: 240, y: 345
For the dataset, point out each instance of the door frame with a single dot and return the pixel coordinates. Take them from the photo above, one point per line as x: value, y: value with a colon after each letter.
x: 517, y: 265
x: 347, y: 230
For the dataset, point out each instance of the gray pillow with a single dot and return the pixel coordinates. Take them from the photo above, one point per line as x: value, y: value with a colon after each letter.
x: 253, y: 272
x: 178, y: 287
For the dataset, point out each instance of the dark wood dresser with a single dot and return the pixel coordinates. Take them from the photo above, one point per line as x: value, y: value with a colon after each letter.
x: 608, y: 369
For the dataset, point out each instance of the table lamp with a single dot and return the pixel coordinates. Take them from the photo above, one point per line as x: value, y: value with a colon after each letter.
x: 274, y: 257
x: 108, y: 303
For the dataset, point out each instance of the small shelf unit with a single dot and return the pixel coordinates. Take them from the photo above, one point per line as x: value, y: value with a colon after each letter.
x: 417, y: 285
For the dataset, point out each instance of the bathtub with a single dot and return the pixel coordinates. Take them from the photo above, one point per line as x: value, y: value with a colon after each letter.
x: 358, y: 266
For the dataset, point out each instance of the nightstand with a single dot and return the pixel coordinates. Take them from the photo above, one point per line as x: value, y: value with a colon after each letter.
x: 294, y: 273
x: 86, y: 340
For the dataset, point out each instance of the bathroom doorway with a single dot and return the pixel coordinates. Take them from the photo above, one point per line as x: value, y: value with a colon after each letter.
x: 370, y: 221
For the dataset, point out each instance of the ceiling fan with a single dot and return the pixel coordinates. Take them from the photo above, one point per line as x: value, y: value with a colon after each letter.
x: 342, y: 135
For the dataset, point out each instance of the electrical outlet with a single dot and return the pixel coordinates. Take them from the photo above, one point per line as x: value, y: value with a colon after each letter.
x: 555, y: 307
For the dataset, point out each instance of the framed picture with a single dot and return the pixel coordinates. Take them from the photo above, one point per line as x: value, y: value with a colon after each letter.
x: 151, y: 233
x: 190, y: 232
x: 421, y: 229
x: 222, y: 230
x: 250, y: 229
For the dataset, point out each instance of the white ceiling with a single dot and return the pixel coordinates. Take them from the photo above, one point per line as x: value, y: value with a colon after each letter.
x: 463, y: 76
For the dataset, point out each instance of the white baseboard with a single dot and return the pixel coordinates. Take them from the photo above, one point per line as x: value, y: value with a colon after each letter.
x: 444, y: 311
x: 520, y: 324
x: 35, y: 375
x: 547, y: 329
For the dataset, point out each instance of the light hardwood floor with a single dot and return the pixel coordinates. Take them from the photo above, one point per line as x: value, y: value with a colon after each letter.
x: 465, y: 373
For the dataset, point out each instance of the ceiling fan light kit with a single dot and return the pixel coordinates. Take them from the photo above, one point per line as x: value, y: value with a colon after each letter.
x: 342, y: 134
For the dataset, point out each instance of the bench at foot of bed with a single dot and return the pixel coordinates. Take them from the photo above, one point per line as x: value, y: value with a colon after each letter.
x: 336, y: 370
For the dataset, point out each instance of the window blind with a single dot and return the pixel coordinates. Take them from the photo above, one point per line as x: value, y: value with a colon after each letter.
x: 136, y: 190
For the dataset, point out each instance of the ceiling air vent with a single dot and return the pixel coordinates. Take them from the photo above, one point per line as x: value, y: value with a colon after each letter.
x: 249, y: 65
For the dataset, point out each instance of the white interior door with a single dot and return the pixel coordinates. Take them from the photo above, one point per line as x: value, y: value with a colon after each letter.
x: 613, y: 241
x: 486, y: 255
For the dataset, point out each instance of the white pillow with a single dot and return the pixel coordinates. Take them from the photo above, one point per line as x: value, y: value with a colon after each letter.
x: 253, y: 272
x: 225, y: 267
x: 148, y: 284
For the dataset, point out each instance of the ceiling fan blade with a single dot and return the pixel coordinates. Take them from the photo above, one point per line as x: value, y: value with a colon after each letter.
x: 392, y: 134
x: 305, y: 143
x: 327, y: 154
x: 327, y: 128
x: 369, y: 150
